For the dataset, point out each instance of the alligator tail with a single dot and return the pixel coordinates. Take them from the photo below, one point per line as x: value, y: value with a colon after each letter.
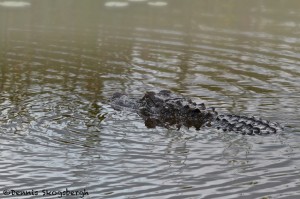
x: 246, y: 125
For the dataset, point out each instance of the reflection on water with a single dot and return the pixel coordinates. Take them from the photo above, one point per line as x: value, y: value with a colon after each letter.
x: 116, y: 4
x: 61, y: 60
x: 14, y: 4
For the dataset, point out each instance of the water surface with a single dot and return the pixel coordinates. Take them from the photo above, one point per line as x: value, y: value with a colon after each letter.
x: 60, y: 61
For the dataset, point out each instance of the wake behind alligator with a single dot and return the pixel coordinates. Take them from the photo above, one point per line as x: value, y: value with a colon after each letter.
x: 167, y: 109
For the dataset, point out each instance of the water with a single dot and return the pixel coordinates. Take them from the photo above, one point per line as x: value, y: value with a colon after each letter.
x: 61, y: 60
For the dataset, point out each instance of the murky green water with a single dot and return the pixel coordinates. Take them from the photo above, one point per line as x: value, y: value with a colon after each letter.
x: 61, y: 60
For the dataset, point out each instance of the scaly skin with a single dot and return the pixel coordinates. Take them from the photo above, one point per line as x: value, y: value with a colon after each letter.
x: 168, y: 109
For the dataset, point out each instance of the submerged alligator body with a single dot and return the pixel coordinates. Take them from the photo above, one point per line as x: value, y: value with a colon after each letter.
x: 168, y: 109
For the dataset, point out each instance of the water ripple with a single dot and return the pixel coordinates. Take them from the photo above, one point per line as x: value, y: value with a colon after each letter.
x: 57, y: 129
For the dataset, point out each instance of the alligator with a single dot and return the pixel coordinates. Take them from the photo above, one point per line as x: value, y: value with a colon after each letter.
x: 167, y: 109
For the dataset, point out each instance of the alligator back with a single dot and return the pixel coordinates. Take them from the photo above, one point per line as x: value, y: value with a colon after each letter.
x: 168, y: 109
